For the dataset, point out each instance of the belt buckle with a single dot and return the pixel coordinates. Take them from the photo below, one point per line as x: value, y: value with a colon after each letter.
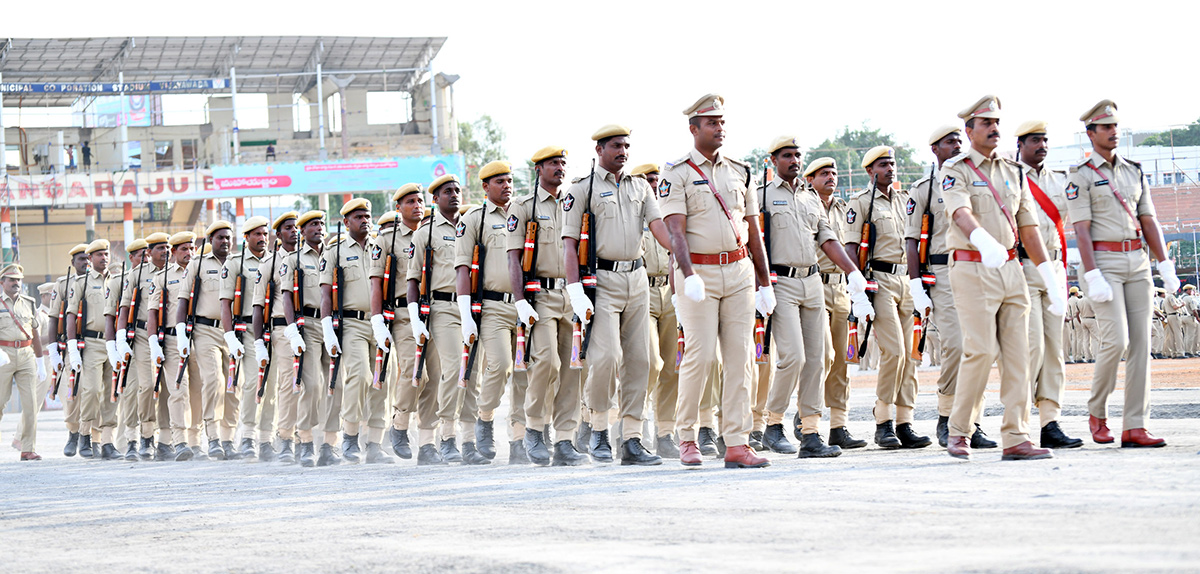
x: 723, y: 258
x: 1127, y: 245
x: 623, y: 266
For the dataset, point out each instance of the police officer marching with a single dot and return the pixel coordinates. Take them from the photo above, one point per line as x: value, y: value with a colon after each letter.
x: 88, y: 357
x: 277, y: 370
x: 236, y: 290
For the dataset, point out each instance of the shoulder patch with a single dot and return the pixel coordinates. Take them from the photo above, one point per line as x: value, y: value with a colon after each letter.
x: 851, y: 216
x: 912, y: 204
x: 512, y: 223
x: 322, y: 268
x: 258, y: 277
x: 568, y: 202
x: 224, y: 273
x: 376, y: 252
x: 283, y: 270
x: 664, y: 187
x: 947, y: 182
x: 410, y: 250
x: 460, y: 229
x: 1072, y: 191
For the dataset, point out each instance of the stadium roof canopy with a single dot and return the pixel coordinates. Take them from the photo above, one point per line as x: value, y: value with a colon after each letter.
x: 265, y: 64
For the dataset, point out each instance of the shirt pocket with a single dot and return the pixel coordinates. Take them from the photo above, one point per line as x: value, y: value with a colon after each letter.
x: 606, y: 208
x: 699, y: 200
x: 885, y: 223
x: 983, y: 203
x: 353, y: 272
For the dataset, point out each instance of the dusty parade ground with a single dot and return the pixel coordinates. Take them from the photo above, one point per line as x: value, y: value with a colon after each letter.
x: 1095, y: 509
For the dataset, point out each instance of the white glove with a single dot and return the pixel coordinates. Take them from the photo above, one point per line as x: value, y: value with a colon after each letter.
x: 764, y: 300
x: 41, y: 367
x: 332, y: 346
x: 260, y: 351
x: 294, y: 339
x: 156, y: 353
x: 860, y: 306
x: 674, y: 301
x: 855, y: 282
x: 123, y: 344
x: 1166, y: 270
x: 181, y: 341
x: 73, y: 357
x: 1054, y: 289
x: 114, y: 357
x: 469, y: 328
x: 56, y: 360
x: 233, y: 345
x: 992, y: 254
x: 921, y: 300
x: 414, y: 321
x: 526, y: 313
x: 383, y: 337
x: 1098, y: 289
x: 693, y: 288
x: 580, y: 302
x: 4, y: 360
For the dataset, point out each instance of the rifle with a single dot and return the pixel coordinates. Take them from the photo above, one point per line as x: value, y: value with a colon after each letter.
x: 264, y: 366
x: 679, y: 349
x: 423, y: 302
x: 239, y: 326
x: 866, y: 247
x: 135, y: 306
x: 190, y: 324
x: 852, y: 355
x: 161, y: 331
x: 116, y: 376
x: 587, y: 266
x: 532, y: 286
x: 762, y: 326
x: 60, y: 332
x: 918, y: 343
x: 928, y: 279
x: 478, y: 256
x: 80, y: 319
x: 335, y: 362
x: 298, y: 311
x: 389, y: 308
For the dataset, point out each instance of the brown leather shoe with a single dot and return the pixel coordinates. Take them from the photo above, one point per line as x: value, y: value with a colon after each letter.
x: 1140, y: 438
x: 1100, y: 432
x: 689, y: 453
x: 30, y: 456
x: 1026, y: 451
x: 743, y: 457
x: 958, y: 447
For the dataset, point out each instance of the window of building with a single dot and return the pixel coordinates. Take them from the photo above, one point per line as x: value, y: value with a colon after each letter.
x: 301, y: 114
x: 389, y: 108
x: 1166, y: 179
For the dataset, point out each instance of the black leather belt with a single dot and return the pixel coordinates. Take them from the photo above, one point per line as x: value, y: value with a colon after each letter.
x: 619, y: 266
x: 170, y: 331
x: 658, y: 280
x: 442, y: 296
x: 351, y: 314
x: 497, y: 296
x: 208, y: 322
x: 552, y: 283
x: 1021, y: 253
x: 833, y: 278
x: 790, y: 272
x: 139, y: 325
x: 938, y: 258
x: 92, y: 334
x: 885, y: 267
x: 310, y: 312
x: 400, y: 302
x: 279, y: 322
x: 247, y: 319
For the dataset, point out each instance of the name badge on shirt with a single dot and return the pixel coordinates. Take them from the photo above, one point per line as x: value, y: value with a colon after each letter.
x: 448, y: 238
x: 1102, y: 182
x: 212, y: 271
x: 605, y: 193
x: 979, y: 183
x: 779, y: 202
x: 543, y: 217
x: 497, y: 226
x: 700, y: 182
x: 352, y: 258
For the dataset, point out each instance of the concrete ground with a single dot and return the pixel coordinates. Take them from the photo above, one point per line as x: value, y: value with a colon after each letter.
x: 1094, y: 509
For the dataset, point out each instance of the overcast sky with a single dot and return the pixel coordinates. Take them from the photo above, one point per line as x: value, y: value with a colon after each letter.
x: 551, y: 73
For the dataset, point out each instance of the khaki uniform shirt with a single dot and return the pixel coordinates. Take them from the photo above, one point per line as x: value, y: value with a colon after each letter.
x: 229, y: 274
x: 113, y: 291
x: 19, y: 320
x: 962, y: 187
x: 835, y: 215
x: 657, y: 258
x: 798, y: 224
x: 887, y: 219
x: 1072, y: 308
x: 920, y: 198
x: 148, y: 272
x: 442, y: 233
x: 282, y: 267
x: 171, y: 282
x: 58, y: 296
x: 621, y: 209
x: 208, y: 297
x: 96, y: 301
x: 355, y: 288
x: 495, y: 242
x: 548, y: 210
x: 1052, y: 182
x: 682, y: 191
x: 1090, y: 197
x: 310, y: 262
x: 383, y: 247
x: 1085, y: 308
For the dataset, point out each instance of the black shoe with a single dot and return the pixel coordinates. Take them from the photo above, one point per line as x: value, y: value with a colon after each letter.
x: 109, y: 452
x: 910, y: 439
x: 707, y: 441
x: 980, y: 440
x: 227, y: 446
x: 146, y: 451
x: 328, y: 457
x: 131, y: 455
x: 796, y: 426
x: 755, y: 441
x: 72, y: 444
x: 811, y: 446
x: 198, y: 453
x: 943, y: 431
x: 182, y: 452
x: 428, y: 455
x: 85, y: 446
x: 350, y: 449
x: 1054, y: 437
x: 721, y: 447
x: 885, y: 436
x: 546, y: 434
x: 266, y: 452
x: 666, y: 447
x: 164, y: 452
x: 485, y: 438
x: 632, y: 452
x: 304, y: 453
x: 566, y: 455
x: 599, y: 447
x: 583, y: 437
x: 399, y: 440
x: 450, y: 451
x: 375, y: 455
x: 285, y: 452
x: 471, y: 455
x: 840, y: 437
x: 535, y: 447
x: 776, y: 441
x: 516, y: 452
x: 246, y: 450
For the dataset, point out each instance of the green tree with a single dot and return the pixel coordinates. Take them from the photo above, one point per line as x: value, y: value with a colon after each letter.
x: 848, y: 147
x: 480, y: 141
x: 1189, y: 136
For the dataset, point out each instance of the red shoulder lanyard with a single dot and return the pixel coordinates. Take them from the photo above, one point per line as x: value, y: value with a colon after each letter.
x: 995, y: 194
x: 1052, y: 211
x: 1137, y: 227
x: 721, y: 202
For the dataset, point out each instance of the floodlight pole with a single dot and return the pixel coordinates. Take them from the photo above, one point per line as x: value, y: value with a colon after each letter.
x: 124, y: 123
x: 433, y: 119
x: 322, y: 154
x: 237, y: 147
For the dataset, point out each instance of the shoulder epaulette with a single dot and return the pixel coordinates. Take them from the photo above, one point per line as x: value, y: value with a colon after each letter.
x: 859, y: 194
x: 950, y: 162
x: 1059, y: 171
x: 677, y: 163
x: 737, y: 162
x: 1133, y: 163
x: 1075, y: 168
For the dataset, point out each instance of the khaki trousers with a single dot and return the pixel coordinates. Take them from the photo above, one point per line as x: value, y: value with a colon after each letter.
x: 422, y: 398
x: 361, y: 403
x: 97, y: 411
x: 178, y: 398
x: 251, y: 413
x: 1173, y: 343
x: 897, y: 380
x: 997, y: 301
x: 316, y: 408
x: 1046, y: 365
x: 1091, y: 336
x: 445, y: 348
x: 146, y: 404
x: 798, y: 334
x: 619, y: 351
x: 23, y: 369
x: 498, y: 334
x: 724, y: 317
x: 837, y: 339
x: 128, y: 418
x: 663, y: 389
x: 208, y: 367
x: 1124, y: 329
x: 71, y: 405
x: 949, y: 335
x: 555, y: 389
x: 288, y: 398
